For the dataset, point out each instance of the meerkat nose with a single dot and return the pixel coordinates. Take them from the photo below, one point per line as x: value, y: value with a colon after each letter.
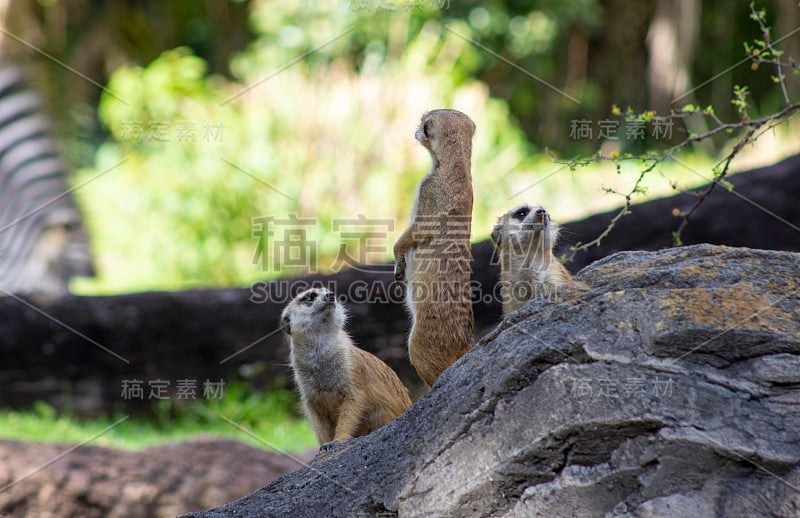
x: 330, y: 297
x: 540, y: 211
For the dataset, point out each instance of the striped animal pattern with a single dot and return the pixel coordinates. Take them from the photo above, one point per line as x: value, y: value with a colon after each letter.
x: 42, y: 241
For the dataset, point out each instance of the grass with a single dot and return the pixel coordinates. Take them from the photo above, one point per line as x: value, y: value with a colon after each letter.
x: 267, y: 420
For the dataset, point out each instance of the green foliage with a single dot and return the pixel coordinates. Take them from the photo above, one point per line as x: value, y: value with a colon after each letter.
x: 588, y: 48
x: 319, y: 140
x: 270, y: 416
x: 739, y: 100
x: 319, y: 124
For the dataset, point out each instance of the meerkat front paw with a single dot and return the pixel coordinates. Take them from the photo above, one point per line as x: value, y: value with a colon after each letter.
x: 323, y: 449
x: 400, y: 270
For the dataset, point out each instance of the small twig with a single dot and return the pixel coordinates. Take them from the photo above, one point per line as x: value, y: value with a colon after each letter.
x: 777, y: 62
x: 749, y: 123
x: 624, y: 211
x: 717, y: 179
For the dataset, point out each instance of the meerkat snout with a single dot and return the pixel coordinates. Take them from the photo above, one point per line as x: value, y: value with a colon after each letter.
x: 536, y: 220
x: 541, y: 224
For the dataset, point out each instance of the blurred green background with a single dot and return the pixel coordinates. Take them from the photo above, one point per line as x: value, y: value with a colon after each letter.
x: 216, y: 114
x: 187, y: 122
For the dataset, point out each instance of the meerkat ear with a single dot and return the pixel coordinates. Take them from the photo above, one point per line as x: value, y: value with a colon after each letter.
x: 497, y: 237
x: 286, y: 325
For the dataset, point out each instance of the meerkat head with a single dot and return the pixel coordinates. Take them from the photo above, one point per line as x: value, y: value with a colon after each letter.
x: 440, y: 127
x: 525, y: 233
x: 314, y: 311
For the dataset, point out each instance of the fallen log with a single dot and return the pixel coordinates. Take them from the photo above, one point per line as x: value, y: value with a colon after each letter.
x: 79, y: 352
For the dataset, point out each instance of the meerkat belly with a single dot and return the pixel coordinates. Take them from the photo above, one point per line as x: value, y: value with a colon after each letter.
x: 410, y: 283
x: 326, y: 403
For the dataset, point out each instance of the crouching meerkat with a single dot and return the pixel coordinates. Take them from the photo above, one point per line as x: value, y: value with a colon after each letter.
x: 433, y: 254
x: 524, y: 238
x: 346, y: 391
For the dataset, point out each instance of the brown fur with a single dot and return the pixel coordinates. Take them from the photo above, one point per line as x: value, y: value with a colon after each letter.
x: 346, y: 391
x: 433, y: 254
x: 524, y: 238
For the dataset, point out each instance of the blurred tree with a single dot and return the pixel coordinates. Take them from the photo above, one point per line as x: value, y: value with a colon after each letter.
x: 671, y: 42
x: 600, y: 52
x: 312, y: 98
x: 273, y: 147
x: 71, y: 49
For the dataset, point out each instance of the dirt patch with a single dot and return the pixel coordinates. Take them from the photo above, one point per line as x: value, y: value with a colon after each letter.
x: 49, y: 480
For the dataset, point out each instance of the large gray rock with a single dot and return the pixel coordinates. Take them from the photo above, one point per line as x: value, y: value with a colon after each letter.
x: 671, y: 387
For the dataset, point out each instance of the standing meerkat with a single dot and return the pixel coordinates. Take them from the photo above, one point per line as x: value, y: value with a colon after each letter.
x: 433, y: 254
x: 346, y: 391
x: 524, y: 238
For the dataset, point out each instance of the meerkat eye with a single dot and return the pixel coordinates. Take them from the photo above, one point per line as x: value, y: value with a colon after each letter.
x: 521, y: 213
x: 426, y: 128
x: 309, y: 297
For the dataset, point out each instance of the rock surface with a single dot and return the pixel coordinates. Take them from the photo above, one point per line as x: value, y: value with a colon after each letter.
x: 671, y: 387
x: 54, y: 480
